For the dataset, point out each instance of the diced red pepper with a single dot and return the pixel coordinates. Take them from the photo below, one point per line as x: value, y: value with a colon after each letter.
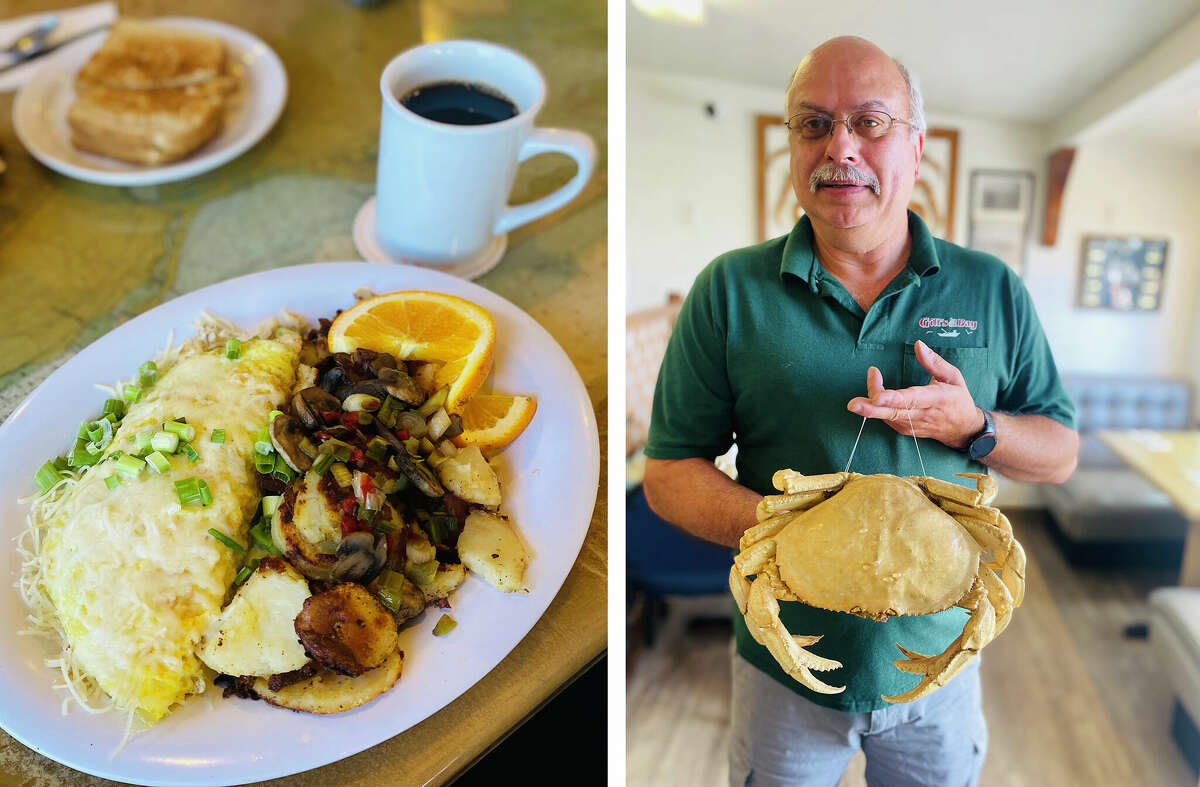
x: 330, y: 416
x: 349, y: 505
x: 350, y: 420
x: 402, y: 434
x: 367, y: 484
x: 323, y: 435
x: 356, y: 457
x: 350, y: 525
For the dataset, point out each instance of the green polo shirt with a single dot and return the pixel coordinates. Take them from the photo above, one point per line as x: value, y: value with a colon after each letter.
x: 770, y: 347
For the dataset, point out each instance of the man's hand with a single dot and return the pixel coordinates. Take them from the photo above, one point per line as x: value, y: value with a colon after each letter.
x: 942, y: 410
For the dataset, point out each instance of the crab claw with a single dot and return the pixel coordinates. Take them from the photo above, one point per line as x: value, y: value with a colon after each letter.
x: 762, y: 619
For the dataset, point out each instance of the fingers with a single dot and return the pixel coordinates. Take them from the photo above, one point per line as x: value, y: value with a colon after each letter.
x: 874, y: 383
x: 942, y: 370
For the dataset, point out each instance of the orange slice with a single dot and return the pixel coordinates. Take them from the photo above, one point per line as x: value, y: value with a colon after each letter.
x: 492, y: 421
x: 423, y: 326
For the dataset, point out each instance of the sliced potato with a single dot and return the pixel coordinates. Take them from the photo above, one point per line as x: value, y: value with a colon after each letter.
x: 303, y: 522
x: 445, y: 581
x: 468, y: 475
x: 347, y: 629
x: 254, y: 634
x: 491, y: 548
x: 329, y: 692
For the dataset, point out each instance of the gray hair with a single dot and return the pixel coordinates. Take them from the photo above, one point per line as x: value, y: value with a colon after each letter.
x: 916, y: 104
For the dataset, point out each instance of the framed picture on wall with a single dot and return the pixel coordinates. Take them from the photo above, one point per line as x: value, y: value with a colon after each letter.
x: 777, y: 209
x: 1122, y: 273
x: 1001, y: 209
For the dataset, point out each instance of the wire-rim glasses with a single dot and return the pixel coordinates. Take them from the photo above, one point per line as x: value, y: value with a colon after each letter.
x: 869, y: 124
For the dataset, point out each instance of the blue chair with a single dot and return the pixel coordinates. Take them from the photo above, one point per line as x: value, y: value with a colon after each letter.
x: 662, y: 560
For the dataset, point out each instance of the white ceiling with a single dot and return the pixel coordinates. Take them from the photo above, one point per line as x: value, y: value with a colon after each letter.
x: 1018, y: 60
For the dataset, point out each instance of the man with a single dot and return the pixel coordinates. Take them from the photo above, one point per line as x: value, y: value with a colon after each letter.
x: 772, y: 346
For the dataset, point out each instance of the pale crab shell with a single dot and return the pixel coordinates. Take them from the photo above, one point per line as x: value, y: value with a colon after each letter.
x: 877, y: 548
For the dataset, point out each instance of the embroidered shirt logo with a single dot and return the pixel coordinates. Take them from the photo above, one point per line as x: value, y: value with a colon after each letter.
x: 948, y: 327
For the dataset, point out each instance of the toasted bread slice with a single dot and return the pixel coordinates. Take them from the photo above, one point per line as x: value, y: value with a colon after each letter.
x: 141, y: 55
x: 148, y: 126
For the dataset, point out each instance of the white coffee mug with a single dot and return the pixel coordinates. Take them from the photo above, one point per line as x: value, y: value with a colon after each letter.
x: 441, y: 189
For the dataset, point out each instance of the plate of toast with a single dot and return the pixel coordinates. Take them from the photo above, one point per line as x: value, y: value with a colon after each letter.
x: 151, y: 101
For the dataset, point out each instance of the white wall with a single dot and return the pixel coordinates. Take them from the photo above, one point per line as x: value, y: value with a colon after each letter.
x: 690, y: 196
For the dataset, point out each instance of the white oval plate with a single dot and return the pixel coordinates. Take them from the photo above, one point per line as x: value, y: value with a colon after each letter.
x: 40, y: 111
x: 549, y: 475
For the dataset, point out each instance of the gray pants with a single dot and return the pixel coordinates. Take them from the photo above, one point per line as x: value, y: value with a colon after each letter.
x: 780, y: 738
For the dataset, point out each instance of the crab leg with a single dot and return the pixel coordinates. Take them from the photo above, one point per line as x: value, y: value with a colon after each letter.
x: 985, y: 484
x: 792, y: 482
x: 989, y: 537
x: 774, y: 505
x: 749, y: 562
x: 979, y: 630
x: 762, y: 619
x: 766, y: 528
x: 999, y: 597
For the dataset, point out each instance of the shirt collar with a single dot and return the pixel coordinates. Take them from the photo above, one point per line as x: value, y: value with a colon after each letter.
x: 800, y: 258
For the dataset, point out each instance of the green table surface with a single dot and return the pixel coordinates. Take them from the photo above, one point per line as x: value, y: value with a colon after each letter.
x: 78, y: 259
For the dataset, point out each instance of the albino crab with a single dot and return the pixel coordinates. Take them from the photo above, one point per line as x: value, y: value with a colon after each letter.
x: 879, y: 546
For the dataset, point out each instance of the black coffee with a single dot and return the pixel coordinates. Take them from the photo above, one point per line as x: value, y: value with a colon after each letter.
x: 459, y: 104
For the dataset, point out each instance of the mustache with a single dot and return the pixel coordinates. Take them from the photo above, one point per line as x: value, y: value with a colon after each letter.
x: 829, y: 172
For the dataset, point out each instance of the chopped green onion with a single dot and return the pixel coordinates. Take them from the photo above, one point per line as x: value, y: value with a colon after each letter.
x: 412, y: 445
x: 205, y: 493
x: 263, y: 539
x: 114, y: 406
x: 144, y: 440
x: 148, y: 373
x: 233, y: 349
x: 164, y: 441
x: 270, y: 503
x: 263, y: 444
x: 113, y: 481
x: 340, y: 450
x: 187, y: 450
x: 159, y: 462
x: 242, y: 575
x: 132, y: 393
x: 94, y: 449
x: 60, y: 463
x: 82, y: 432
x: 433, y: 403
x: 218, y: 436
x: 188, y: 491
x: 399, y: 484
x: 273, y: 415
x: 224, y: 539
x: 384, y: 526
x: 46, y: 477
x: 80, y: 456
x: 377, y: 449
x: 322, y: 462
x: 444, y: 626
x: 282, y: 470
x: 264, y: 463
x: 185, y: 430
x: 367, y: 515
x: 129, y: 466
x: 341, y: 474
x: 387, y: 413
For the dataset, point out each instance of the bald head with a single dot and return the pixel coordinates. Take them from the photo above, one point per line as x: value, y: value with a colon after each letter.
x: 851, y: 57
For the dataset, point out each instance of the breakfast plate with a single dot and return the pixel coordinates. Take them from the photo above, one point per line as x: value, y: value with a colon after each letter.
x: 549, y: 477
x: 40, y: 110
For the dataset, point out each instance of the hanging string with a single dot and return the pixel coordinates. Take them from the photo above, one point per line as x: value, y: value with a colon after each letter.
x: 855, y: 448
x: 912, y: 430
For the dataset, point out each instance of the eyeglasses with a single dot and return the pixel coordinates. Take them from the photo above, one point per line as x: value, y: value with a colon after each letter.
x: 871, y: 124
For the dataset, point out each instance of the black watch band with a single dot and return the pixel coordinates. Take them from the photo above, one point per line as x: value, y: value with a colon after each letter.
x: 985, y: 440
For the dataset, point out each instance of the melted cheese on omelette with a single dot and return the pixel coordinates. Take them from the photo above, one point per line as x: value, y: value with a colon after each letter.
x: 134, y: 575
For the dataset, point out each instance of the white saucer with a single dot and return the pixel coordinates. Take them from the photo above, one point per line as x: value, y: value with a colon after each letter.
x: 470, y: 268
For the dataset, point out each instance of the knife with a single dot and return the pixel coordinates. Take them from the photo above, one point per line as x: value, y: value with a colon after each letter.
x: 10, y: 60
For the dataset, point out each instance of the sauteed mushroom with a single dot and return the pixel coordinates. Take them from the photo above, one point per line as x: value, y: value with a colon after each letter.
x: 417, y: 472
x: 360, y: 558
x: 286, y: 436
x: 308, y: 405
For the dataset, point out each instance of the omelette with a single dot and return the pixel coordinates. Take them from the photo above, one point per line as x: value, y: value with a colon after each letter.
x: 133, y: 574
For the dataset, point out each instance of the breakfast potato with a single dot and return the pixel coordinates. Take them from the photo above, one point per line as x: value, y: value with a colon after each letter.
x: 328, y: 692
x: 469, y: 476
x: 491, y: 548
x: 254, y: 634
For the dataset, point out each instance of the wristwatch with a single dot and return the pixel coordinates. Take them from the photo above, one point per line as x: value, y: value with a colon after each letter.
x: 985, y: 440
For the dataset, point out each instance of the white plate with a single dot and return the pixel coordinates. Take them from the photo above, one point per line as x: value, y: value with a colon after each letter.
x: 40, y: 111
x: 549, y: 475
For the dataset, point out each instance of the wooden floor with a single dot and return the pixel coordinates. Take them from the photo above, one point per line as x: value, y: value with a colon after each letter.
x: 1069, y: 700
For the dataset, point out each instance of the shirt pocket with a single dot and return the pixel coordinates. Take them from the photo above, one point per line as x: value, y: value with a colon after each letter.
x: 973, y: 362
